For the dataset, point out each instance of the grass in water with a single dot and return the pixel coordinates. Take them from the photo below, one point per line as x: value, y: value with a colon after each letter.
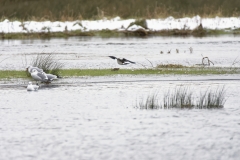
x: 182, y: 98
x: 150, y: 103
x: 212, y: 99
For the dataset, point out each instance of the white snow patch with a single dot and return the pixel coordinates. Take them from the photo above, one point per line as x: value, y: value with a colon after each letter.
x: 117, y: 23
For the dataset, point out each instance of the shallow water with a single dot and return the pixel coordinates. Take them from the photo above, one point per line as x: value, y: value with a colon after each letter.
x: 96, y: 118
x: 92, y: 52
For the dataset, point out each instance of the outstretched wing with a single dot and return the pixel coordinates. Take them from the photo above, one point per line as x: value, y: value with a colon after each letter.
x: 126, y: 60
x: 112, y: 57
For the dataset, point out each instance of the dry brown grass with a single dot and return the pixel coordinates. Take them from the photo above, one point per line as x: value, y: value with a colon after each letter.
x: 97, y: 9
x: 170, y: 66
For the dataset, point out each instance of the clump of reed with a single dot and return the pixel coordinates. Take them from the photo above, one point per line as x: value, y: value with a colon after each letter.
x: 212, y: 99
x: 183, y: 98
x: 48, y: 63
x: 151, y: 102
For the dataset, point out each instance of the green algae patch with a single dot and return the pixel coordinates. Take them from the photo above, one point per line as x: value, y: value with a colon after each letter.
x: 161, y: 70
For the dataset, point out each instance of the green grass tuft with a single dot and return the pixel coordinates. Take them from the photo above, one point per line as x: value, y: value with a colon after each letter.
x: 183, y: 98
x: 212, y: 99
x: 48, y: 63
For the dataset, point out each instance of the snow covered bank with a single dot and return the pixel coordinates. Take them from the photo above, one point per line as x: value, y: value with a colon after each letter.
x: 118, y: 24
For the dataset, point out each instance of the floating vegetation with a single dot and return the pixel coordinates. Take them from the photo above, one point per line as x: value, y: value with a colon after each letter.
x: 183, y: 98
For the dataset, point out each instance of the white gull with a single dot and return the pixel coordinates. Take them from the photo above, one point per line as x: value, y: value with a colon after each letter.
x: 42, y: 76
x: 32, y: 87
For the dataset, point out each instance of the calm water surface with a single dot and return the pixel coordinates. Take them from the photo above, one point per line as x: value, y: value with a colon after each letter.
x: 92, y: 52
x: 95, y: 118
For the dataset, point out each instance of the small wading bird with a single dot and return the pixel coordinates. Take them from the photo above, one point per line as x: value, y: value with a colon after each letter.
x: 122, y: 61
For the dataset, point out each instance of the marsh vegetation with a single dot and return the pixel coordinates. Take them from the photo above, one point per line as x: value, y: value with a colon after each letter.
x: 184, y: 97
x: 48, y: 63
x: 110, y: 72
x: 98, y: 9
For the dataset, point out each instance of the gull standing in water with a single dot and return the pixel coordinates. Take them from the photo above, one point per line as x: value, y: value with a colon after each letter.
x: 122, y: 61
x: 32, y: 87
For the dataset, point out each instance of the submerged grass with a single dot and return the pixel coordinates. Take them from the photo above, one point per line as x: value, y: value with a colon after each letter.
x: 109, y: 72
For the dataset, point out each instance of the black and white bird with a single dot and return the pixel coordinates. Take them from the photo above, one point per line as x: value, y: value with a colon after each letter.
x: 122, y: 61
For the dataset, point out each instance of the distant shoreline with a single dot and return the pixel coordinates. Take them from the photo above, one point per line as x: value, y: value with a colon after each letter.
x: 117, y: 27
x: 109, y: 33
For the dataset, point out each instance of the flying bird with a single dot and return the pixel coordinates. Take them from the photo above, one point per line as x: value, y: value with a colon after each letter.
x: 122, y: 61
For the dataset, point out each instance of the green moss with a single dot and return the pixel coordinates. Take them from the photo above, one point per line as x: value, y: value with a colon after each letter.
x: 12, y: 74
